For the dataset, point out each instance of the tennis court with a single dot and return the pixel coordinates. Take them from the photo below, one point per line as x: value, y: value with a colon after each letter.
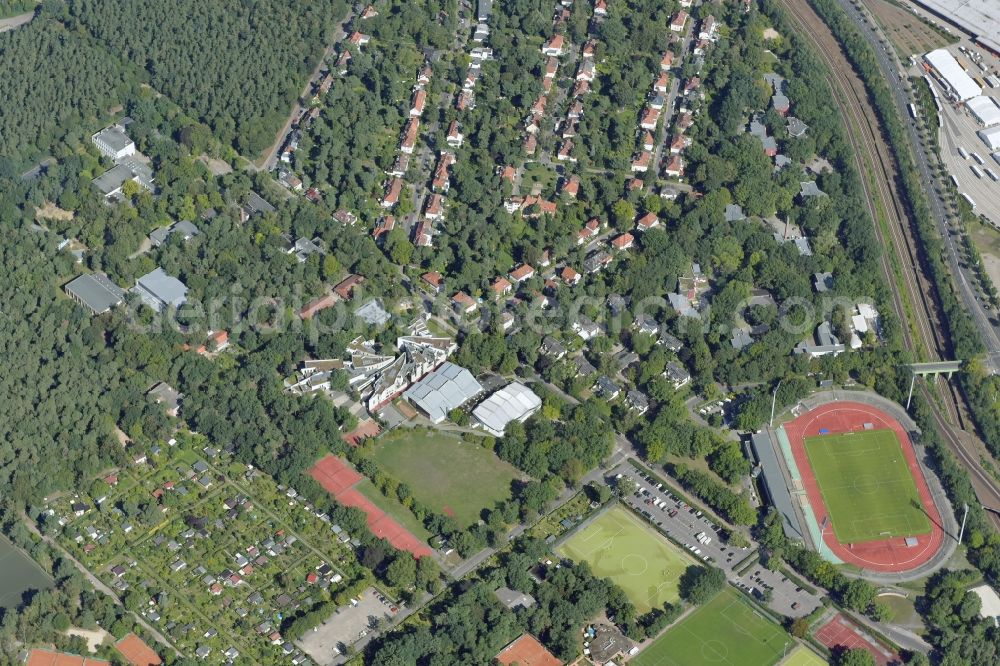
x: 620, y: 546
x: 867, y: 486
x: 727, y: 631
x: 803, y: 656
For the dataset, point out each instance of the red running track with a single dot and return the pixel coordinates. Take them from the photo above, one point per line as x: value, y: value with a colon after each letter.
x: 841, y: 632
x: 339, y: 479
x: 883, y: 555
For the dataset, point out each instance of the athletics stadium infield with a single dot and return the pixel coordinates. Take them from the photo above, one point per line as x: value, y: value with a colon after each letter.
x: 865, y: 488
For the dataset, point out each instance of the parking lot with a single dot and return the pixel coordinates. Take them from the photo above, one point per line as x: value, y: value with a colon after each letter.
x: 683, y: 524
x: 959, y: 131
x: 327, y: 643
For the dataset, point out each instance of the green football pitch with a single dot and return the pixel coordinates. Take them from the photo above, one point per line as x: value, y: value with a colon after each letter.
x: 866, y: 485
x: 727, y: 631
x: 619, y: 546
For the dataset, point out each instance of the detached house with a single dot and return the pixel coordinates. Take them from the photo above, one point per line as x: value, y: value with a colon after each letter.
x: 359, y: 39
x: 678, y: 22
x: 647, y: 222
x: 419, y: 101
x: 522, y: 273
x: 650, y: 117
x: 674, y: 168
x: 623, y: 242
x: 641, y: 163
x: 410, y: 132
x: 434, y: 209
x: 392, y: 193
x: 554, y: 47
x: 455, y: 137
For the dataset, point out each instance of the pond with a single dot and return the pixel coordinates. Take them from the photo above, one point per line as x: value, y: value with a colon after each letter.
x: 18, y: 574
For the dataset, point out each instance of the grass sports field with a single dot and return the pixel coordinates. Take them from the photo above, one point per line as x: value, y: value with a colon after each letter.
x: 866, y: 485
x: 445, y: 473
x: 619, y: 546
x: 803, y: 656
x: 727, y: 631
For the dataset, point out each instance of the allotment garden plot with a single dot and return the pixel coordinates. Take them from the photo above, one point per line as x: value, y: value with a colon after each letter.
x: 619, y: 546
x: 447, y: 474
x: 727, y: 631
x: 866, y: 485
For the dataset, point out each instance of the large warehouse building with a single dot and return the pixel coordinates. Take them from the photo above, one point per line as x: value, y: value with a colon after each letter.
x: 514, y: 402
x: 956, y: 80
x: 445, y: 389
x: 979, y: 18
x: 991, y: 137
x: 984, y: 110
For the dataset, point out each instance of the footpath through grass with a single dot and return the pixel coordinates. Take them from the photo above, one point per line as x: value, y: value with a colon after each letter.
x: 727, y: 631
x: 444, y: 472
x: 866, y: 485
x: 619, y: 546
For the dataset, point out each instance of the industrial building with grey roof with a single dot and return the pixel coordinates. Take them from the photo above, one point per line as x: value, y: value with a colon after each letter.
x: 444, y: 389
x: 95, y: 292
x: 159, y: 290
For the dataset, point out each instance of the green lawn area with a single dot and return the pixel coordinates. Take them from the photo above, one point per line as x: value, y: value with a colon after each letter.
x: 536, y: 172
x: 803, y: 656
x: 728, y: 630
x: 394, y: 509
x: 445, y: 473
x: 619, y: 546
x: 866, y: 485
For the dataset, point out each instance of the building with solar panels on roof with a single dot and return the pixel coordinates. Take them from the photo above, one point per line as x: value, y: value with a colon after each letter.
x: 440, y: 391
x: 514, y: 402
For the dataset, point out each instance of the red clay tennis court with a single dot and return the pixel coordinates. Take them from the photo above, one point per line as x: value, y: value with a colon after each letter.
x: 136, y: 652
x: 52, y: 658
x: 840, y: 631
x: 339, y: 479
x: 884, y: 555
x: 527, y: 651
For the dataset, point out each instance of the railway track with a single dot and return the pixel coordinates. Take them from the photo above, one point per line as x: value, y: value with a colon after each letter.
x: 856, y: 109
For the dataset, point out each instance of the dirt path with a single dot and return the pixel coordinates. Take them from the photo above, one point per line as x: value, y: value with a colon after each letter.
x: 267, y: 161
x: 12, y: 22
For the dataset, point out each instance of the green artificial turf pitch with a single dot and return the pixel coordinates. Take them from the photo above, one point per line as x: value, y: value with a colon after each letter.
x: 727, y: 631
x: 619, y: 546
x: 866, y: 485
x: 450, y: 476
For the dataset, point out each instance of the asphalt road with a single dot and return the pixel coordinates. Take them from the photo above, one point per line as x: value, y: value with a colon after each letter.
x: 892, y: 71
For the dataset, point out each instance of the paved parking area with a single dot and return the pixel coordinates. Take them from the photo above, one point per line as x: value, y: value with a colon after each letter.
x: 682, y: 524
x: 327, y: 643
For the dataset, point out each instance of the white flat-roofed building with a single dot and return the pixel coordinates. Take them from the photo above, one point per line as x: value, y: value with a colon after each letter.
x: 961, y: 85
x: 978, y: 17
x: 113, y: 142
x: 514, y: 402
x: 985, y: 110
x: 991, y: 137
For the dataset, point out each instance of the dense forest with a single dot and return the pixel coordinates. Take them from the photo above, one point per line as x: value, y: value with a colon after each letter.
x: 12, y: 7
x: 236, y: 66
x: 56, y: 81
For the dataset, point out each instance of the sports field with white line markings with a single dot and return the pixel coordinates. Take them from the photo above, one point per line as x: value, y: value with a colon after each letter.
x: 620, y: 546
x: 866, y: 485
